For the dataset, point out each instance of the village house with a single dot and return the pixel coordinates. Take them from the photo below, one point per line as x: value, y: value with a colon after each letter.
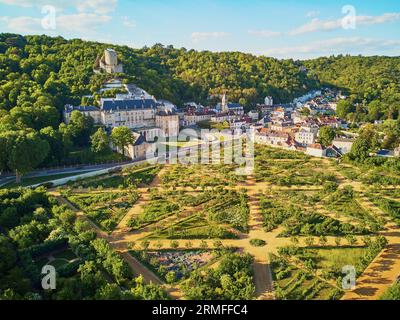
x: 269, y: 137
x: 265, y: 109
x: 138, y: 149
x: 268, y: 101
x: 316, y: 150
x: 283, y: 125
x: 305, y: 137
x: 222, y: 117
x: 168, y: 121
x: 343, y: 144
x: 191, y: 118
x: 238, y: 124
x: 332, y: 122
x: 254, y: 115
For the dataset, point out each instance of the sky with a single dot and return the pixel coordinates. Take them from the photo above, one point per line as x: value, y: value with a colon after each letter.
x: 277, y: 28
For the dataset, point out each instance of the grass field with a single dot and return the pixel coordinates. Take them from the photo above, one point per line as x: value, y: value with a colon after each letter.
x: 28, y: 181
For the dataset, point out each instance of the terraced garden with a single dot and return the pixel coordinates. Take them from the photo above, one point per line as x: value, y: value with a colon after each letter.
x: 310, y: 218
x: 105, y: 209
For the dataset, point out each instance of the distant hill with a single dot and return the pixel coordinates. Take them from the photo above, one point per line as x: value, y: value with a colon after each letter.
x: 64, y: 68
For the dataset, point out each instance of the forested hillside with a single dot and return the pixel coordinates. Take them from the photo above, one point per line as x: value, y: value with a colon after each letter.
x: 40, y: 74
x: 372, y: 82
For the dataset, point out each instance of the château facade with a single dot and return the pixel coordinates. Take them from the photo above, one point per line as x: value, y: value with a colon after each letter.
x: 138, y: 114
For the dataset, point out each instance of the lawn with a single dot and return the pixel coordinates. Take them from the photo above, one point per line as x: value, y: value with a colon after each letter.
x: 337, y: 258
x: 129, y: 177
x: 58, y: 259
x: 28, y: 181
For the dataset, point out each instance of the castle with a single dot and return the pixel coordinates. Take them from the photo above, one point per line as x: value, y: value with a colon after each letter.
x: 109, y: 62
x: 136, y: 110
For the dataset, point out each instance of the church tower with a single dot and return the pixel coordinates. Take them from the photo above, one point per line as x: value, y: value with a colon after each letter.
x: 224, y: 103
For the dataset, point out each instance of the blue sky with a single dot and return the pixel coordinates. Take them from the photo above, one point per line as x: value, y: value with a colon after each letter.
x: 282, y: 29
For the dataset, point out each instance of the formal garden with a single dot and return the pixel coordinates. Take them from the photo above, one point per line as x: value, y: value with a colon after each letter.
x: 176, y: 265
x: 290, y: 168
x: 105, y: 209
x: 217, y: 213
x: 302, y: 218
x: 316, y: 272
x: 201, y: 176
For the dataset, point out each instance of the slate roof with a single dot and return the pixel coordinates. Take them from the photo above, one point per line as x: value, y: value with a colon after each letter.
x: 140, y: 140
x: 69, y: 108
x: 129, y: 104
x: 234, y: 105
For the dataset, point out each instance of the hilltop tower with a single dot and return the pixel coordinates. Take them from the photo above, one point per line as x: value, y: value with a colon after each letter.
x: 109, y: 62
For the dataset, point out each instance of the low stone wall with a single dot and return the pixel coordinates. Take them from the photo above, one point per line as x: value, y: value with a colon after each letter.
x: 63, y: 181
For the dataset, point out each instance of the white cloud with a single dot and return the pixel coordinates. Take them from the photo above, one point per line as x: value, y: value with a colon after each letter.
x: 96, y: 6
x: 101, y: 7
x: 328, y: 25
x: 21, y: 3
x: 201, y: 36
x: 127, y: 22
x: 23, y: 24
x: 76, y: 23
x: 81, y: 22
x: 350, y: 45
x: 264, y: 33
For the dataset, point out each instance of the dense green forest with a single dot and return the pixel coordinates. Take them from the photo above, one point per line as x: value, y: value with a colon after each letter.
x: 40, y: 74
x: 33, y: 227
x: 372, y: 83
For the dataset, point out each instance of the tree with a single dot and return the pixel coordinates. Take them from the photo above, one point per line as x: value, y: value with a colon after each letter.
x: 174, y: 244
x: 8, y: 255
x: 374, y: 110
x: 170, y: 277
x: 122, y: 137
x: 188, y: 244
x: 55, y: 141
x: 80, y: 128
x: 3, y: 153
x: 344, y: 107
x: 26, y: 150
x: 145, y: 244
x: 109, y: 291
x: 351, y: 240
x: 393, y: 293
x: 323, y: 240
x: 326, y: 135
x: 203, y: 244
x: 309, y: 241
x: 99, y: 141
